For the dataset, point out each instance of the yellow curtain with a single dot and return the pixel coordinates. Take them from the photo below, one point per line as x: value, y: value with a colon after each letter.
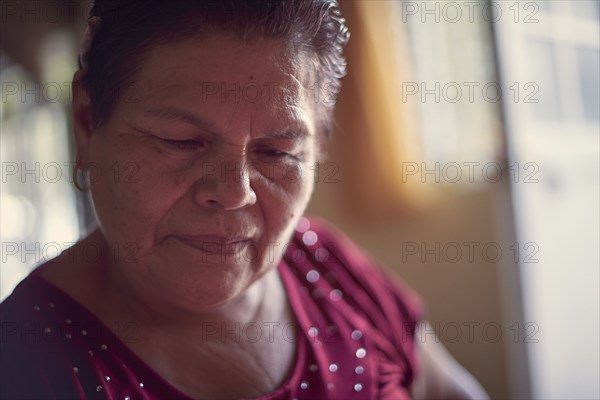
x: 377, y: 134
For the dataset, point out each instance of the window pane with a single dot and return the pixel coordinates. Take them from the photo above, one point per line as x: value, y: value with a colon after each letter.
x: 586, y: 9
x: 542, y: 55
x: 589, y: 78
x: 544, y: 5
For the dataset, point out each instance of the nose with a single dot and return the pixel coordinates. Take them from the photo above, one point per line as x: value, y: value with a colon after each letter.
x: 225, y: 184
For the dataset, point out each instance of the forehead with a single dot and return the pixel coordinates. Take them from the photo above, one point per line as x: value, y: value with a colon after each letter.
x: 226, y: 77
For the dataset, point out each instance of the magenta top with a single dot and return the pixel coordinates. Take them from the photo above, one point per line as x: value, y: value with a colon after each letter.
x: 354, y: 339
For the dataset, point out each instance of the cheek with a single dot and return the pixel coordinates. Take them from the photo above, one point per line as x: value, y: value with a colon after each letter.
x: 284, y: 200
x: 131, y: 195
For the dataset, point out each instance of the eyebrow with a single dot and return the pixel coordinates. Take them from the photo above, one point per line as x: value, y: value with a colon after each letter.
x: 171, y: 113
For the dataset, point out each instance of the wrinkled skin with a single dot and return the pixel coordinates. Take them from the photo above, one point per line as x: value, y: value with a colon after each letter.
x: 203, y: 169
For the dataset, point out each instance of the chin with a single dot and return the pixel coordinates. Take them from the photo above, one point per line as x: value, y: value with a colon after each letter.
x: 202, y: 288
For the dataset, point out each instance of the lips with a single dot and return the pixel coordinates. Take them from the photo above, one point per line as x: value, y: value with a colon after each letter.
x: 216, y: 244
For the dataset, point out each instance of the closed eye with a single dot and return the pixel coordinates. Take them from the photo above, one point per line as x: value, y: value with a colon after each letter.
x: 275, y: 153
x: 184, y: 145
x: 271, y: 154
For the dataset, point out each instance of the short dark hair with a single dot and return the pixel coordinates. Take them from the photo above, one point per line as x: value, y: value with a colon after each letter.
x: 129, y: 28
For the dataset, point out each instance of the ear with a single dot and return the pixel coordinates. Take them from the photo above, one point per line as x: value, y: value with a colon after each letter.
x: 82, y: 118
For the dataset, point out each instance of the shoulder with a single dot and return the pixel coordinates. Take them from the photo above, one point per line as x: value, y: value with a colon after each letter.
x: 369, y: 287
x: 343, y: 279
x: 22, y: 307
x: 337, y: 251
x: 31, y: 354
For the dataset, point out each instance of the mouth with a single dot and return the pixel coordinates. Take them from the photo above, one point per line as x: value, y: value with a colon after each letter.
x: 216, y: 245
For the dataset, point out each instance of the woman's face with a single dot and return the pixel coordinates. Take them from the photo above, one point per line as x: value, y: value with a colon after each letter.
x: 203, y: 169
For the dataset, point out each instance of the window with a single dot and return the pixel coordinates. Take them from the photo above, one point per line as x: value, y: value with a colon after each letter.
x: 559, y: 52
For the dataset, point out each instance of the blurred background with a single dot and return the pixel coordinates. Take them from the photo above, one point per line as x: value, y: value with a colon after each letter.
x: 466, y: 158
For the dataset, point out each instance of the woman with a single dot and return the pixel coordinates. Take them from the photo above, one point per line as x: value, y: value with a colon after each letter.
x: 197, y: 124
